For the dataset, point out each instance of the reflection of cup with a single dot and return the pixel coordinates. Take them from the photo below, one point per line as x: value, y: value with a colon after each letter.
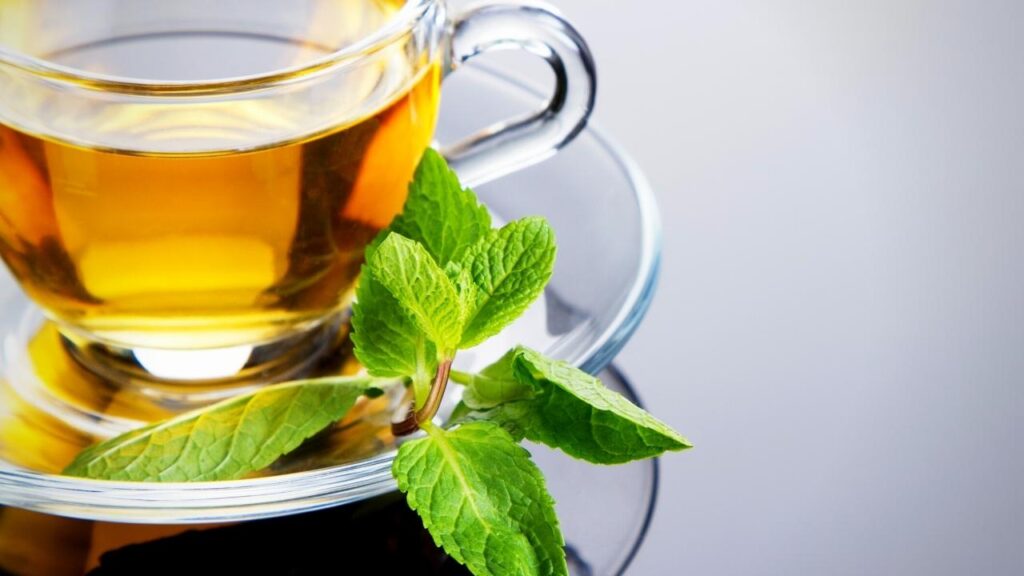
x: 187, y: 182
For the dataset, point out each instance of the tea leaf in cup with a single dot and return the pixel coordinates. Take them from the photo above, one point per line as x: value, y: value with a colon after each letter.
x: 226, y: 440
x: 483, y: 500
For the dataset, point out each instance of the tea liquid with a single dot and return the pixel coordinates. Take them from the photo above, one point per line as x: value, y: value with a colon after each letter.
x: 217, y: 248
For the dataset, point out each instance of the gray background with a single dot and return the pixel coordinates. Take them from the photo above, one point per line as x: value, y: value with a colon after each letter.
x: 839, y: 323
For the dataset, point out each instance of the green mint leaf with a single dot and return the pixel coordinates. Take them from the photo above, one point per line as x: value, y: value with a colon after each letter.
x: 416, y: 281
x: 574, y: 412
x: 226, y: 440
x: 439, y: 213
x: 509, y: 268
x: 483, y: 500
x: 462, y: 280
x: 388, y: 342
x: 495, y: 385
x: 458, y: 413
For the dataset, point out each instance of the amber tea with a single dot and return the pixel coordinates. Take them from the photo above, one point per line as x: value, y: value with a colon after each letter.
x: 187, y: 187
x: 209, y: 225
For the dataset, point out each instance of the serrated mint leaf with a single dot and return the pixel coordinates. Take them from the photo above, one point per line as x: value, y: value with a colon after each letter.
x: 458, y: 413
x: 411, y: 275
x: 509, y: 268
x: 483, y: 500
x: 495, y: 385
x: 226, y: 440
x: 461, y: 279
x: 574, y: 412
x: 439, y: 213
x: 388, y: 342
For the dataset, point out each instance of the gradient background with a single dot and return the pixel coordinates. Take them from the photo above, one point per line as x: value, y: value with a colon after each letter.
x: 840, y: 326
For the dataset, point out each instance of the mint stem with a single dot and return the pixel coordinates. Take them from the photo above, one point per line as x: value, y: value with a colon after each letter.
x: 464, y: 378
x: 416, y: 418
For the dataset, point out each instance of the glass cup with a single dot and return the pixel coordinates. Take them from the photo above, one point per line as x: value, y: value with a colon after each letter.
x: 186, y: 188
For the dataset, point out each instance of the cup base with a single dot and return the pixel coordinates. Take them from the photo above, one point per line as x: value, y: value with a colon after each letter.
x: 183, y: 377
x: 103, y: 391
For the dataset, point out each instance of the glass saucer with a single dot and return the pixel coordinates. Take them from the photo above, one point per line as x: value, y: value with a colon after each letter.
x: 604, y: 216
x: 379, y: 534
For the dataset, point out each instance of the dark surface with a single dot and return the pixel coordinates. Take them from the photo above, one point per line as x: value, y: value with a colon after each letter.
x: 382, y: 535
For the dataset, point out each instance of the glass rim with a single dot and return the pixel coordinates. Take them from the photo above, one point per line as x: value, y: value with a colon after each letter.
x: 397, y: 27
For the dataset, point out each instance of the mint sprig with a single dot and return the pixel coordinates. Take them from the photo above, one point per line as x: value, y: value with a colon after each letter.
x: 438, y: 280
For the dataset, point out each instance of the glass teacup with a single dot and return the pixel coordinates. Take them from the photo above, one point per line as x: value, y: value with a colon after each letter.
x: 186, y: 188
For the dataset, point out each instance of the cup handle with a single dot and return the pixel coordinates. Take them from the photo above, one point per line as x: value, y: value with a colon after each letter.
x: 515, y: 144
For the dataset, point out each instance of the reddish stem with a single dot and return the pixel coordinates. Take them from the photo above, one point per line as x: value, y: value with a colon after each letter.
x: 413, y: 419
